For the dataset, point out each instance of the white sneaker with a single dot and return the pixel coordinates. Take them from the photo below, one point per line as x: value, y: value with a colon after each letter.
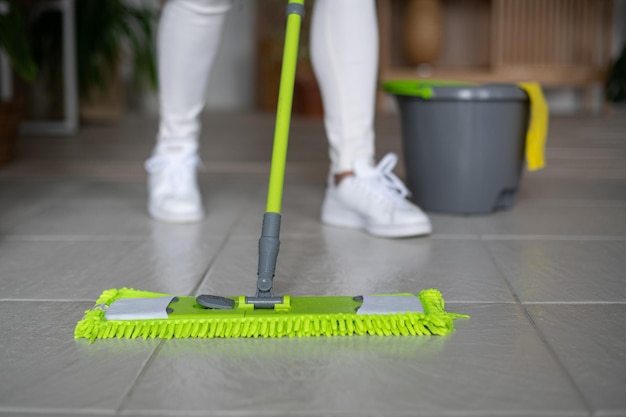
x: 172, y: 184
x: 374, y: 199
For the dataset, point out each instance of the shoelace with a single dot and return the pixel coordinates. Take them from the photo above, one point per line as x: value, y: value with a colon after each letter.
x: 388, y: 181
x: 179, y: 170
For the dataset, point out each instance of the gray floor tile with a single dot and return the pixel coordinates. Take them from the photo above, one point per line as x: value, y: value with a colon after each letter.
x: 81, y: 269
x: 348, y: 262
x: 590, y: 341
x: 568, y: 190
x: 97, y: 191
x: 129, y: 218
x: 301, y: 210
x: 73, y: 222
x: 13, y: 212
x: 37, y: 189
x: 563, y: 271
x: 45, y: 369
x: 534, y: 220
x: 587, y: 132
x: 587, y: 163
x: 21, y: 200
x: 107, y: 216
x: 453, y: 225
x: 366, y: 376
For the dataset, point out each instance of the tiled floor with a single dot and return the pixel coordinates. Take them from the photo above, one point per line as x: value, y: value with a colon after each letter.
x: 544, y: 283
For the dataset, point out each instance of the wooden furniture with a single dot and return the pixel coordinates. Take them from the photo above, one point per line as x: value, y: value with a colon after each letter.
x: 558, y: 43
x: 270, y: 39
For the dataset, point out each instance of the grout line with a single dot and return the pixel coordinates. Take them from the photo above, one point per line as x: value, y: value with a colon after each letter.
x: 144, y: 367
x: 587, y: 404
x: 470, y: 237
x: 29, y: 411
x: 206, y: 272
x: 501, y: 273
x: 273, y: 412
x: 310, y: 236
x: 443, y: 236
x: 480, y: 302
x: 538, y: 202
x: 464, y: 237
x: 74, y: 238
x: 227, y: 238
x: 533, y: 303
x: 554, y: 237
x: 148, y: 362
x: 80, y: 238
x: 574, y: 302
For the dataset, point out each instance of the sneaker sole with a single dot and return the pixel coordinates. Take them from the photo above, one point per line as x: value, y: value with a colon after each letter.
x: 412, y: 230
x: 352, y: 221
x: 175, y: 218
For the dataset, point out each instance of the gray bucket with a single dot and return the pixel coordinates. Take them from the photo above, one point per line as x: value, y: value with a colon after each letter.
x: 463, y: 144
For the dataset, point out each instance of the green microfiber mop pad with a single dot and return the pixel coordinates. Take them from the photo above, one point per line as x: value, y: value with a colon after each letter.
x: 297, y: 316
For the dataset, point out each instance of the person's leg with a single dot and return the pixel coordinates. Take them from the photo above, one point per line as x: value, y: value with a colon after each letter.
x: 188, y: 40
x: 344, y: 54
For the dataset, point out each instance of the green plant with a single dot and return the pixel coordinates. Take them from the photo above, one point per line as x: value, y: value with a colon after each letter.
x: 107, y: 29
x: 14, y: 40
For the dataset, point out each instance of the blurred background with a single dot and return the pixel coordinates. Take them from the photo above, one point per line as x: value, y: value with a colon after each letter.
x: 69, y: 63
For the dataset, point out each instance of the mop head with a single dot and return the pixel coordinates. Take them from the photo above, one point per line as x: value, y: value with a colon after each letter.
x: 129, y: 313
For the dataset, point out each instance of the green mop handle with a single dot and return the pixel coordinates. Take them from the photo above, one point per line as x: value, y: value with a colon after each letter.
x: 269, y: 242
x: 295, y: 11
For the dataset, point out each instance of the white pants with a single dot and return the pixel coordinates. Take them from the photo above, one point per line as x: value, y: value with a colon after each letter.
x: 344, y: 54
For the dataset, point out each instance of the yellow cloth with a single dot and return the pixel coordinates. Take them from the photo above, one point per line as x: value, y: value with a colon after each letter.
x: 538, y: 126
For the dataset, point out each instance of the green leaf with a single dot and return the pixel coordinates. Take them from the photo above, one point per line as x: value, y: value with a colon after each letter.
x: 106, y: 30
x: 14, y: 41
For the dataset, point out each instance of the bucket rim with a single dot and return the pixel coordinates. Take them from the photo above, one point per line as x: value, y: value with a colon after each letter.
x: 454, y: 90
